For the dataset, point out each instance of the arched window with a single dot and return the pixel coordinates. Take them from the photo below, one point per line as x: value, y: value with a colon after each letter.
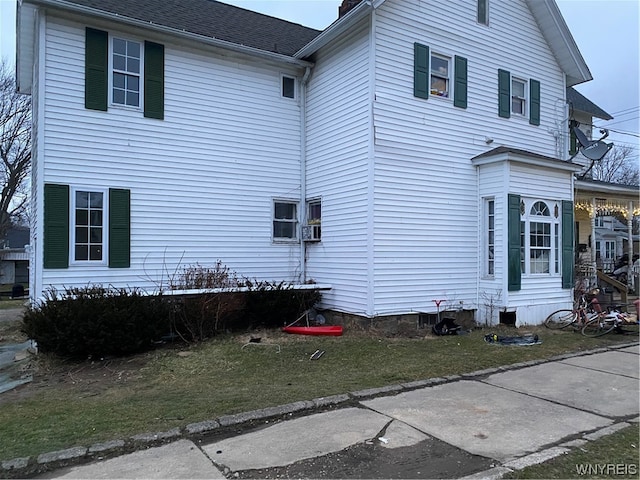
x: 540, y: 242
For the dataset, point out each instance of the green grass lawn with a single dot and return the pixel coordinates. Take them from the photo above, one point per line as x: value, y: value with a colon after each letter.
x: 81, y: 403
x: 6, y: 304
x: 613, y: 456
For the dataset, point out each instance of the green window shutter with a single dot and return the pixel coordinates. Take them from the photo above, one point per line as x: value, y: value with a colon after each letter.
x: 460, y: 87
x: 420, y: 70
x: 153, y: 80
x: 119, y: 228
x: 56, y: 226
x: 573, y: 142
x: 567, y: 244
x: 534, y: 100
x: 96, y: 79
x: 513, y: 241
x: 504, y: 93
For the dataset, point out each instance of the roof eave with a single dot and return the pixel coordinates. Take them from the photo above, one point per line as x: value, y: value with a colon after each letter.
x: 558, y: 36
x: 336, y: 29
x: 25, y: 46
x: 211, y: 41
x: 595, y: 187
x: 535, y: 161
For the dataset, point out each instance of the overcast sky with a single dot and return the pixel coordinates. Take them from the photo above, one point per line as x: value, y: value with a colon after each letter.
x: 606, y: 32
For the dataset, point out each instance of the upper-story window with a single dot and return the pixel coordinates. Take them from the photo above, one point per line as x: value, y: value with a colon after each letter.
x: 440, y: 81
x: 439, y: 75
x: 288, y: 87
x: 518, y: 96
x: 483, y: 12
x: 126, y: 61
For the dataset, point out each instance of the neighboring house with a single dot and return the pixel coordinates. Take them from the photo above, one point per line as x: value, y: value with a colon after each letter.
x: 611, y: 241
x: 581, y: 114
x: 601, y: 238
x: 410, y: 152
x: 14, y: 258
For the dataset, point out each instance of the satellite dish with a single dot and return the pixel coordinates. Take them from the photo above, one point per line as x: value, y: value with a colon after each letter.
x: 593, y: 149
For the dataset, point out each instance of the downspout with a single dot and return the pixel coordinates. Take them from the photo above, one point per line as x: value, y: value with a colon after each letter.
x: 303, y: 170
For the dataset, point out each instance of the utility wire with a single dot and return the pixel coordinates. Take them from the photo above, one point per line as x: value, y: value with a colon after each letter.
x: 621, y: 112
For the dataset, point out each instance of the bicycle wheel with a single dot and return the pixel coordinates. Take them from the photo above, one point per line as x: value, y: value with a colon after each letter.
x: 560, y: 319
x: 597, y: 327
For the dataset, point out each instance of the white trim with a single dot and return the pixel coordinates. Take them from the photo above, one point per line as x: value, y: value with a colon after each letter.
x: 524, y: 98
x: 449, y: 76
x: 285, y: 240
x: 527, y: 160
x: 527, y: 218
x: 296, y: 88
x: 371, y: 153
x: 73, y: 189
x: 127, y: 38
x: 486, y: 13
x: 202, y: 39
x: 337, y: 28
x: 484, y: 226
x: 36, y: 261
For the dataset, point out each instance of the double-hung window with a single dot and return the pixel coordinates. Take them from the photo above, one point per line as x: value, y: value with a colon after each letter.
x: 126, y: 60
x: 86, y: 226
x: 440, y: 80
x: 439, y: 75
x: 518, y: 96
x: 88, y: 232
x: 285, y: 220
x: 490, y: 226
x: 123, y: 72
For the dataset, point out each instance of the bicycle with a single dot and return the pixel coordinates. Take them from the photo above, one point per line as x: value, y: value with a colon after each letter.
x: 583, y: 312
x: 605, y: 323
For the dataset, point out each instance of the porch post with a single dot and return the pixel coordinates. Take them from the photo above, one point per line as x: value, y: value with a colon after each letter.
x: 630, y: 243
x: 592, y: 221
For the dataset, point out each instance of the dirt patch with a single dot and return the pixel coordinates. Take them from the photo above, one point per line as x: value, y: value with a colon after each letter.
x: 430, y: 458
x: 90, y: 377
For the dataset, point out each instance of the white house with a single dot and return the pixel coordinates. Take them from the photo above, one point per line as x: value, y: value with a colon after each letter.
x: 412, y: 151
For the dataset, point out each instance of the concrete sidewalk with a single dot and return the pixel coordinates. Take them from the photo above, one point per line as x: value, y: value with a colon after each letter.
x: 486, y: 423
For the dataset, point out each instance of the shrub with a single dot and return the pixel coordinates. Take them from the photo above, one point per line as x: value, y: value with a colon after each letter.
x: 96, y: 321
x: 272, y: 305
x: 244, y: 304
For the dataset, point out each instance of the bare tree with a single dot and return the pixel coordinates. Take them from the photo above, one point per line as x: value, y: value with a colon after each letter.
x: 618, y: 166
x: 15, y: 149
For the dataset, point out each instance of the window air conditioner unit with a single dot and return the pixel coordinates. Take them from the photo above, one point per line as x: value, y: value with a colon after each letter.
x: 311, y: 233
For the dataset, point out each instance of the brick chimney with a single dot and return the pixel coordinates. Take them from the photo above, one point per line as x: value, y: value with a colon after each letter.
x: 346, y: 6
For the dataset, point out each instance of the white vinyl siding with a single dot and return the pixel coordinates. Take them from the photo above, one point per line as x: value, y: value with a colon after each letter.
x: 401, y: 199
x: 338, y: 131
x: 229, y: 145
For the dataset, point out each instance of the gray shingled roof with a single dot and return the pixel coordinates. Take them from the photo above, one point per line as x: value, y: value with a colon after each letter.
x: 515, y: 151
x: 213, y: 19
x: 579, y: 102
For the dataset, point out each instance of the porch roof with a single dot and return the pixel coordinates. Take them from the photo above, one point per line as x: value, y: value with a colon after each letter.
x: 614, y: 191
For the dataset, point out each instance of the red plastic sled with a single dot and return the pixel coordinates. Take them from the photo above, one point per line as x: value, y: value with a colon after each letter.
x: 331, y: 330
